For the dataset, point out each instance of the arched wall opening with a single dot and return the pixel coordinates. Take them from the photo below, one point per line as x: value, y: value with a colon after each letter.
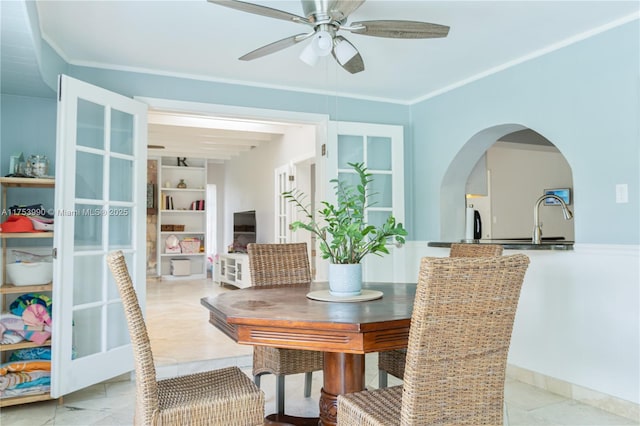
x: 501, y: 172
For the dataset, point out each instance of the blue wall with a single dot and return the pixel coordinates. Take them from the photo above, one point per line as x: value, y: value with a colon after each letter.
x: 28, y: 126
x: 584, y: 98
x: 338, y: 108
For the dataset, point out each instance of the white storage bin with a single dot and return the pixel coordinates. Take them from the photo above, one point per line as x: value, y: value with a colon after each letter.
x: 30, y: 273
x: 180, y: 267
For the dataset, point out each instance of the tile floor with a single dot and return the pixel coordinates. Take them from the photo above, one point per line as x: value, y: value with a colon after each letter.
x: 112, y: 403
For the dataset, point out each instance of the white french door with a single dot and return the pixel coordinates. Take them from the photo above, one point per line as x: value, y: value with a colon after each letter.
x: 283, y: 210
x: 381, y: 148
x: 100, y: 203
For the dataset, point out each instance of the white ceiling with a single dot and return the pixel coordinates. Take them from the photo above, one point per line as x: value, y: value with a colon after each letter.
x: 204, y: 40
x: 197, y: 39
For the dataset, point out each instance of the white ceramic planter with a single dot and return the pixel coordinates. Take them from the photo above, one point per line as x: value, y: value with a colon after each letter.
x: 345, y: 280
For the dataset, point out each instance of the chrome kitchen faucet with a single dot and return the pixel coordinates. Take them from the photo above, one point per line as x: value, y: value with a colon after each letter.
x: 537, y: 231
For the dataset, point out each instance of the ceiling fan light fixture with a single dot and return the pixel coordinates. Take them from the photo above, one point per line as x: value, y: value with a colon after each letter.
x: 344, y: 51
x: 309, y: 56
x: 322, y: 43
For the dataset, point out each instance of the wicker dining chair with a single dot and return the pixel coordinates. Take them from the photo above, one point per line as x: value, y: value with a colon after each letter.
x: 274, y: 265
x: 392, y: 362
x: 475, y: 250
x: 221, y: 397
x: 459, y: 339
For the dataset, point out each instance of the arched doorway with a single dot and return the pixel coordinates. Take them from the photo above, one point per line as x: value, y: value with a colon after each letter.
x: 502, y: 171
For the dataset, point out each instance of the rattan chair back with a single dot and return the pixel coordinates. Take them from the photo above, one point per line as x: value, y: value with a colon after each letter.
x: 459, y: 339
x: 217, y: 397
x: 147, y: 402
x: 475, y: 250
x: 279, y: 264
x: 392, y: 362
x: 276, y: 265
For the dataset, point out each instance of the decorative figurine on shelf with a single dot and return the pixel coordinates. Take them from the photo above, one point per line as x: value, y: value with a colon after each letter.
x: 181, y: 184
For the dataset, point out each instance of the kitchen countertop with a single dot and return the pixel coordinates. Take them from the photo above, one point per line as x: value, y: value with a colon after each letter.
x: 516, y: 244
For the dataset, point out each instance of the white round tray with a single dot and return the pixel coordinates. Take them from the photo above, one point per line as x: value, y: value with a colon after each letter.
x: 326, y: 296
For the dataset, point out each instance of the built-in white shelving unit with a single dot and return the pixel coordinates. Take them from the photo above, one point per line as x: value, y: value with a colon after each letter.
x: 182, y: 185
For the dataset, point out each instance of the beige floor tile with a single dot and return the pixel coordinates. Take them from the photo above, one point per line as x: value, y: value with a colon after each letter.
x: 120, y: 388
x: 571, y: 412
x: 66, y: 417
x: 88, y: 393
x: 529, y: 397
x: 178, y: 324
x: 39, y: 413
x: 521, y: 417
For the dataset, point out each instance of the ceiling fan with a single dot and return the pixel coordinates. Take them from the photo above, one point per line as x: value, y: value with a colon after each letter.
x: 326, y: 18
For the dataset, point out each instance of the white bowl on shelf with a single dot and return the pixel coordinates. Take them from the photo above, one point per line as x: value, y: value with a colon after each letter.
x: 29, y: 273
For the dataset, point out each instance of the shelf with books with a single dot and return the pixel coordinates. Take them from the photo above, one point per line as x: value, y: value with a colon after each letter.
x: 182, y: 216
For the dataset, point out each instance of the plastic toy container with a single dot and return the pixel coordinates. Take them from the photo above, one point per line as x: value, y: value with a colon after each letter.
x: 30, y: 273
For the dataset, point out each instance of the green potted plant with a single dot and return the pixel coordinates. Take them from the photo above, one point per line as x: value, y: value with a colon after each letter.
x: 343, y: 234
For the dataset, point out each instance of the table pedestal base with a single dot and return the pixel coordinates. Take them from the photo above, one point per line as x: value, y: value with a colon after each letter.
x: 343, y: 373
x: 286, y: 420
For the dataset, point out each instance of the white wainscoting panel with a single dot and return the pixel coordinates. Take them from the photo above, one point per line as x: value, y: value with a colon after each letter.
x: 578, y: 319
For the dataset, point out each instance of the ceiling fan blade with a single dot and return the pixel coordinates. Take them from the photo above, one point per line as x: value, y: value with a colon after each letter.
x: 260, y: 10
x: 398, y: 29
x: 344, y: 7
x: 355, y: 64
x: 275, y: 46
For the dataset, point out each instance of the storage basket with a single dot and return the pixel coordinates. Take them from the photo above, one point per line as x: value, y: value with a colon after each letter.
x: 172, y: 228
x: 180, y: 267
x: 30, y: 273
x: 190, y: 246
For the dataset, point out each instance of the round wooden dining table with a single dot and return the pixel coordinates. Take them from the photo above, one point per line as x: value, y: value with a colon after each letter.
x: 284, y: 317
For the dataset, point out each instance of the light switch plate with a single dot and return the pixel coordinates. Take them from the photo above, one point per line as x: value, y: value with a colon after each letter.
x: 622, y: 193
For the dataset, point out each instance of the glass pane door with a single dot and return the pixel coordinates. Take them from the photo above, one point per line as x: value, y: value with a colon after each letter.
x: 380, y: 148
x: 101, y: 206
x: 282, y: 206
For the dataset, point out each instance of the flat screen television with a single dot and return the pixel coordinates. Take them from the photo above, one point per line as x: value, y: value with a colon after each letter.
x: 244, y: 230
x: 564, y: 193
